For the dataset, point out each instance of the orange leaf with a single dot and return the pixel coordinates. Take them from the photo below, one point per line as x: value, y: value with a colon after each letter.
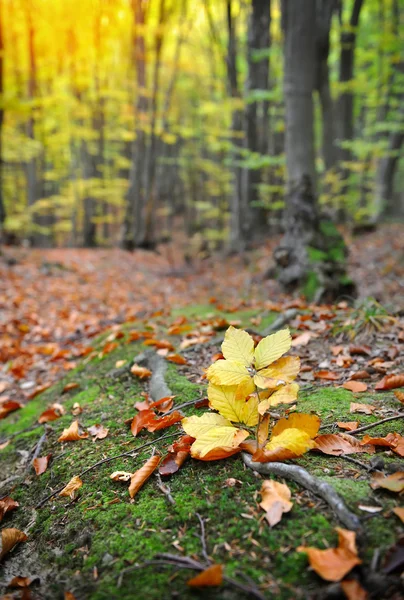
x: 140, y: 372
x: 353, y: 590
x: 349, y: 425
x: 10, y: 538
x: 355, y: 386
x: 20, y: 582
x: 361, y: 408
x: 393, y: 482
x: 210, y: 577
x: 164, y: 404
x: 389, y: 382
x: 360, y: 350
x: 159, y: 344
x: 399, y: 511
x: 164, y: 422
x: 142, y: 475
x: 177, y: 359
x: 333, y: 564
x: 338, y: 444
x: 71, y: 434
x: 140, y: 421
x: 329, y: 375
x: 69, y: 490
x: 70, y: 386
x: 400, y: 396
x: 99, y: 432
x: 50, y: 414
x: 177, y: 455
x: 7, y: 504
x: 8, y: 407
x: 275, y: 500
x: 40, y: 464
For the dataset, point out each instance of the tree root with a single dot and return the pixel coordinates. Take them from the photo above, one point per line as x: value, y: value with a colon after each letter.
x: 315, y: 485
x: 158, y: 387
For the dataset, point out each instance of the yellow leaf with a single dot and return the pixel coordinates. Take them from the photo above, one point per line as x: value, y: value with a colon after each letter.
x: 271, y: 348
x: 224, y: 400
x: 227, y: 372
x: 245, y: 388
x: 69, y: 490
x: 292, y: 439
x: 285, y: 369
x: 227, y: 439
x: 285, y: 395
x: 238, y: 346
x: 198, y: 426
x: 266, y: 382
x: 309, y: 424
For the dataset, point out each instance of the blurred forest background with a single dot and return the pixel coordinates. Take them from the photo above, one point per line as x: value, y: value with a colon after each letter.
x: 126, y: 121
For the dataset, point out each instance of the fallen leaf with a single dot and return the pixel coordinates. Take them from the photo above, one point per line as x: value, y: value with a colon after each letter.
x: 159, y: 344
x: 367, y: 409
x: 6, y: 505
x: 360, y: 350
x: 140, y: 421
x: 120, y: 363
x: 393, y: 482
x: 10, y: 538
x: 302, y: 340
x: 329, y: 375
x: 139, y: 478
x: 392, y: 440
x: 69, y: 490
x: 99, y: 432
x: 333, y: 564
x: 389, y: 382
x: 50, y: 414
x: 177, y: 455
x: 140, y: 372
x: 20, y: 582
x: 353, y: 590
x: 400, y: 396
x: 337, y: 444
x: 163, y: 405
x: 399, y: 511
x: 40, y: 464
x: 275, y: 500
x: 360, y: 375
x: 355, y: 386
x: 8, y: 407
x: 163, y: 422
x: 70, y: 386
x: 120, y: 476
x: 349, y: 425
x: 71, y: 434
x: 210, y: 577
x: 177, y: 359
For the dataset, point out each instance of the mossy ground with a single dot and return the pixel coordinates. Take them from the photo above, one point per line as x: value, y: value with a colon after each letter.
x: 82, y: 546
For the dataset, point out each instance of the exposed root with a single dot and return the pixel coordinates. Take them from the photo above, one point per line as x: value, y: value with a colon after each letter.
x: 309, y: 482
x: 158, y: 387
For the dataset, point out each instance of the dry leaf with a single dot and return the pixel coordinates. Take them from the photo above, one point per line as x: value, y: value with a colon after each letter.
x: 338, y: 444
x: 390, y: 382
x: 353, y: 590
x: 51, y: 414
x: 333, y: 564
x: 355, y: 386
x: 120, y: 476
x: 140, y: 421
x: 367, y: 409
x: 393, y: 482
x: 303, y: 339
x: 275, y: 500
x: 328, y: 375
x: 20, y: 582
x: 163, y: 422
x: 142, y: 475
x: 74, y: 484
x: 99, y: 432
x: 399, y: 511
x: 40, y: 464
x: 177, y: 455
x: 392, y: 440
x: 6, y: 505
x: 400, y: 396
x: 210, y: 577
x: 348, y: 425
x: 8, y: 407
x: 140, y: 372
x: 163, y: 405
x: 360, y: 350
x: 71, y: 434
x: 177, y: 359
x: 70, y: 386
x: 10, y: 538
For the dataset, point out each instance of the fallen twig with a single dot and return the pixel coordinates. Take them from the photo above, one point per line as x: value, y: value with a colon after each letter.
x: 202, y: 537
x: 165, y: 489
x: 309, y: 482
x: 376, y: 423
x: 129, y: 453
x: 354, y: 461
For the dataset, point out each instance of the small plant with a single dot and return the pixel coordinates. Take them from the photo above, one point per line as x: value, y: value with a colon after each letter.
x: 367, y: 318
x: 243, y: 387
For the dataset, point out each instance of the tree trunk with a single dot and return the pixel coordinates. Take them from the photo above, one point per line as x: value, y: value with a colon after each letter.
x: 312, y: 253
x: 384, y: 197
x: 256, y: 113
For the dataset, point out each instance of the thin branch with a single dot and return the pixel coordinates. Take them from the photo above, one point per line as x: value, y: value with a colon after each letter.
x: 130, y: 453
x: 376, y: 423
x: 202, y: 537
x: 355, y: 462
x: 165, y: 489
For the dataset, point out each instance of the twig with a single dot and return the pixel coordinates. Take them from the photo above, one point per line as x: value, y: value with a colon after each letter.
x: 376, y: 423
x: 202, y: 537
x: 165, y: 489
x: 38, y: 447
x: 315, y: 485
x: 130, y: 453
x: 355, y: 462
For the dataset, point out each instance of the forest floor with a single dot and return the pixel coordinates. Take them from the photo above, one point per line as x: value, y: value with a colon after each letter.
x: 72, y: 323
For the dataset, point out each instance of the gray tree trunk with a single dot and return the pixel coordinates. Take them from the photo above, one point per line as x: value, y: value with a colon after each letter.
x: 386, y: 204
x: 312, y: 253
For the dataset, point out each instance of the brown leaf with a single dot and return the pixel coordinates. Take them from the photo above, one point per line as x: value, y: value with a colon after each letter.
x: 70, y: 386
x: 7, y: 504
x: 399, y: 511
x: 69, y: 490
x: 393, y: 482
x: 355, y: 386
x: 303, y: 339
x: 338, y: 444
x: 52, y: 413
x: 40, y: 464
x: 348, y: 425
x: 10, y: 538
x: 177, y: 455
x: 400, y: 396
x: 210, y: 577
x: 120, y: 476
x: 99, y: 432
x: 20, y: 582
x: 275, y: 500
x: 163, y: 405
x: 360, y: 350
x: 140, y: 372
x: 8, y: 407
x: 159, y: 344
x: 360, y: 375
x: 329, y: 375
x: 333, y: 564
x: 367, y: 409
x: 163, y: 422
x: 353, y: 590
x: 71, y: 434
x: 141, y: 420
x: 142, y: 475
x: 389, y: 382
x: 177, y: 359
